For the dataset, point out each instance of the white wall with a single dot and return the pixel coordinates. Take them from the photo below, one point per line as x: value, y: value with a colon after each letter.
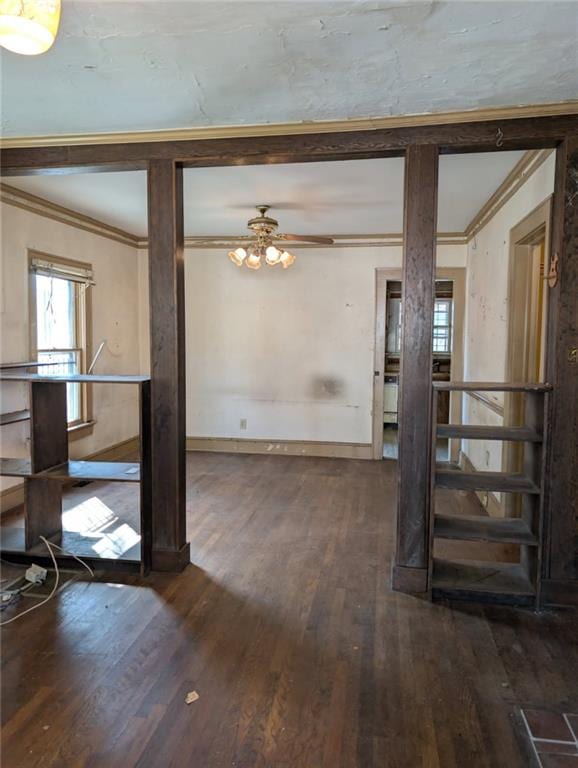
x: 488, y: 263
x: 114, y: 317
x: 290, y: 351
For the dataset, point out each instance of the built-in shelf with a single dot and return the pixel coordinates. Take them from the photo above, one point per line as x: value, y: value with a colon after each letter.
x: 14, y: 417
x: 115, y: 471
x: 502, y: 530
x: 15, y: 468
x: 455, y: 479
x: 490, y: 581
x: 513, y: 583
x: 490, y: 386
x: 479, y: 432
x: 76, y: 378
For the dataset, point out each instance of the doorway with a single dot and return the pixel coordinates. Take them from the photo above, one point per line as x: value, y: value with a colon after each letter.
x: 527, y: 324
x: 447, y: 356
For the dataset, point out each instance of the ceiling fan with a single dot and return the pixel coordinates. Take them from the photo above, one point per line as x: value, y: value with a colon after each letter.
x: 262, y: 243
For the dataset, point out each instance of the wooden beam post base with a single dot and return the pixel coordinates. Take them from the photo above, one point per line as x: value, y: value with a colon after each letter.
x: 171, y: 561
x: 410, y: 580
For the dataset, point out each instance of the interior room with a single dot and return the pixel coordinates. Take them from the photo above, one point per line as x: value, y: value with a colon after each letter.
x: 288, y: 403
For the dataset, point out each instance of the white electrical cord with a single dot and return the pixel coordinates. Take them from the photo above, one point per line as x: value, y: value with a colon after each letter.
x: 49, y: 546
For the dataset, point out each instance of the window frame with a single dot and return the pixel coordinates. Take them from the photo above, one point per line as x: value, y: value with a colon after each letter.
x: 448, y: 327
x: 83, y: 327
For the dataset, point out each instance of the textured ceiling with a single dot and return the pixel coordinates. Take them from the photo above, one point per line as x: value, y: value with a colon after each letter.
x: 149, y: 64
x: 353, y: 197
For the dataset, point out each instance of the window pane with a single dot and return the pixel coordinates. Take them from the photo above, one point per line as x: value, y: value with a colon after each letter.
x: 66, y: 363
x: 55, y: 313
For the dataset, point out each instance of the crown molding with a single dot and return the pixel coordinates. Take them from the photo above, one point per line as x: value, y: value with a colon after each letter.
x: 305, y: 127
x: 517, y: 177
x: 523, y: 170
x: 39, y: 205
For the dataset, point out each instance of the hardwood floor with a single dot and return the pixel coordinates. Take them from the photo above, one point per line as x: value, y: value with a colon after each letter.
x: 287, y: 629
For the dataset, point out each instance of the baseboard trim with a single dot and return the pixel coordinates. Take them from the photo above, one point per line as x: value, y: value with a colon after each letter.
x: 116, y: 451
x: 171, y: 560
x: 487, y: 499
x: 560, y: 592
x: 280, y: 447
x: 10, y: 498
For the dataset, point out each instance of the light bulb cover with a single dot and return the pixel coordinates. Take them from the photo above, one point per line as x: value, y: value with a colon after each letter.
x: 287, y: 259
x: 272, y: 255
x: 238, y: 256
x: 253, y: 261
x: 28, y: 27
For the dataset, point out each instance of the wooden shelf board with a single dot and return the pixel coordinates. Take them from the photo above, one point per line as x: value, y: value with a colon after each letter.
x: 484, y: 481
x: 490, y: 386
x: 483, y: 528
x: 29, y: 364
x: 479, y: 432
x: 15, y: 468
x: 78, y: 378
x: 115, y: 471
x: 14, y: 417
x: 498, y: 582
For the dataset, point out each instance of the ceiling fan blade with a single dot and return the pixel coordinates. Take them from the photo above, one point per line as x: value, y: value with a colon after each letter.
x: 306, y: 239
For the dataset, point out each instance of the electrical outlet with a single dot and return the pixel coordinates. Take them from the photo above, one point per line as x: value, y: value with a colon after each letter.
x: 243, y: 423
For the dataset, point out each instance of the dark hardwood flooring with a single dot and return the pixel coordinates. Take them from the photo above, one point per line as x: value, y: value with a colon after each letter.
x: 287, y: 629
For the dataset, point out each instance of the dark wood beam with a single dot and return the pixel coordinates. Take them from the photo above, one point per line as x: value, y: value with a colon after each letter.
x: 561, y: 502
x: 483, y: 136
x: 410, y: 572
x: 170, y: 550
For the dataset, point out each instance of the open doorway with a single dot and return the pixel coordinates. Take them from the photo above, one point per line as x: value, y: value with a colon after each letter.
x: 447, y: 356
x: 527, y: 316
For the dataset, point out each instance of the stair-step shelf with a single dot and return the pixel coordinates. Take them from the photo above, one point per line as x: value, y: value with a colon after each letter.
x: 489, y: 581
x: 503, y: 482
x: 506, y: 530
x: 14, y: 417
x: 482, y: 432
x: 495, y: 582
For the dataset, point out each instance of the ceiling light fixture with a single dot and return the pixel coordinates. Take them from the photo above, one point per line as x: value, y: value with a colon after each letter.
x: 28, y: 26
x: 261, y: 248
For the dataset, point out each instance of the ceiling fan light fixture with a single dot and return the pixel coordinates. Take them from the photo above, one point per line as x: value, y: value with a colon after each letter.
x: 238, y: 256
x: 287, y: 259
x: 28, y: 27
x: 272, y: 255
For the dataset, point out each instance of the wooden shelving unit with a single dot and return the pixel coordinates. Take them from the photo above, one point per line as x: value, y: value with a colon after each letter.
x: 490, y: 581
x: 49, y: 466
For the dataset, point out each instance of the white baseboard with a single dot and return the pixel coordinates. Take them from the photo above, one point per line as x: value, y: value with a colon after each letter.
x: 281, y: 447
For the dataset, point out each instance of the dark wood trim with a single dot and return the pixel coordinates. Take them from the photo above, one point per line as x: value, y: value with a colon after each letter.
x: 418, y: 295
x: 167, y: 333
x: 561, y: 497
x: 560, y: 592
x: 516, y: 133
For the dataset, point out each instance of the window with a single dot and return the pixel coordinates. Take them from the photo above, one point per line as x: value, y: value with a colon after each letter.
x: 59, y: 313
x: 442, y: 331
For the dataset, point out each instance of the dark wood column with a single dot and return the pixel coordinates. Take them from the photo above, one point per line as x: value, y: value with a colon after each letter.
x: 562, y: 372
x: 410, y: 571
x: 170, y: 550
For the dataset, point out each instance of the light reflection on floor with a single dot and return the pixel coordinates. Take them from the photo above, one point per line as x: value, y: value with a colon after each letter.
x: 92, y: 518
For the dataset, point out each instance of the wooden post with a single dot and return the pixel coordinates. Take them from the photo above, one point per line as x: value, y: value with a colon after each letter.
x: 170, y: 550
x: 561, y: 495
x: 410, y: 571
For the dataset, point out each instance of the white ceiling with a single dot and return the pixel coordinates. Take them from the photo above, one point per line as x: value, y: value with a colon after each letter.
x: 154, y: 64
x: 352, y: 197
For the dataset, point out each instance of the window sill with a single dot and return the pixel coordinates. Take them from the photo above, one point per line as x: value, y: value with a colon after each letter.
x: 79, y: 431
